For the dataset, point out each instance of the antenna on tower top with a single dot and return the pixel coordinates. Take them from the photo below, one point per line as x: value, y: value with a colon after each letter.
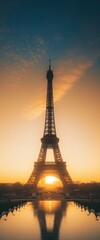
x: 49, y: 64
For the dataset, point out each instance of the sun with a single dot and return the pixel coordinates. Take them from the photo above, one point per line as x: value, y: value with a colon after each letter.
x: 50, y: 180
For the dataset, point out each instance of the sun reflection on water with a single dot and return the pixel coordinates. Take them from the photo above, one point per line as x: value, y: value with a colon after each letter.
x: 49, y: 206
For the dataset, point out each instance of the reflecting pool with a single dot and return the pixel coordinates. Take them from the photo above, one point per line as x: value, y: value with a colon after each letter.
x: 50, y: 220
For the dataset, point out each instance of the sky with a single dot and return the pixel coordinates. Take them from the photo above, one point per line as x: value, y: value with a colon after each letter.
x: 31, y: 32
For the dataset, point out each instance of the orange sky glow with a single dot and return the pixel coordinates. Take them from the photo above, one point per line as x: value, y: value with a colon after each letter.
x: 22, y: 107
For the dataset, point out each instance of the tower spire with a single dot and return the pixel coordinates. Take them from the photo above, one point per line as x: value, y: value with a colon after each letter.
x: 49, y: 64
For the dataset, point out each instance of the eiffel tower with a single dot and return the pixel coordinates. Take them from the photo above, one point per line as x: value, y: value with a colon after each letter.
x: 50, y: 140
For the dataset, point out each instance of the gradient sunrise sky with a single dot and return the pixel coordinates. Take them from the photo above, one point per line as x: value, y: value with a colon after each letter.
x: 31, y: 32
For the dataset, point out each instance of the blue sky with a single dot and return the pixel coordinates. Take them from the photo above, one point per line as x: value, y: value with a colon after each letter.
x: 49, y: 28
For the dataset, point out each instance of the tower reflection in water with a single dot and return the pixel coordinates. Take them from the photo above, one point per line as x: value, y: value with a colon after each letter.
x: 49, y: 214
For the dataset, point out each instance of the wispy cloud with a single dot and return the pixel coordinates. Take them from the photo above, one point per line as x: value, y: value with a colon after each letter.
x: 22, y: 83
x: 67, y: 73
x: 39, y: 40
x: 33, y: 49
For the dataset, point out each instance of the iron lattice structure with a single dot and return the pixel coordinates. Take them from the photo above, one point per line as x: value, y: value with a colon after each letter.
x: 50, y: 141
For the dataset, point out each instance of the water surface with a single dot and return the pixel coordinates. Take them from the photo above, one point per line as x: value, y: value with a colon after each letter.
x: 50, y: 220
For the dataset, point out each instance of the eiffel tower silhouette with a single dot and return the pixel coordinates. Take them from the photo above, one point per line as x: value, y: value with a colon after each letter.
x: 50, y: 140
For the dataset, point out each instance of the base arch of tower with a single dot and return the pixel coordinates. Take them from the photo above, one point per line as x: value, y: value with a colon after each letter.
x: 60, y: 175
x: 49, y: 173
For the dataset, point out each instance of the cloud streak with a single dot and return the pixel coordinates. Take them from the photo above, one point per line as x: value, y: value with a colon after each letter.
x: 67, y: 72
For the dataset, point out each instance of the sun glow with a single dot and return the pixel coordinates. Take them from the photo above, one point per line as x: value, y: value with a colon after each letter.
x: 50, y: 180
